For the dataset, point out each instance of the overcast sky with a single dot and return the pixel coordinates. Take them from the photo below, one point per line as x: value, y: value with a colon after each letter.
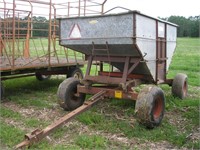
x: 154, y: 8
x: 161, y: 8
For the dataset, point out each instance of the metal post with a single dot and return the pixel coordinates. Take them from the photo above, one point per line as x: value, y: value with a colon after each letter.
x: 54, y: 34
x: 68, y: 11
x: 126, y: 67
x: 13, y: 36
x: 79, y: 7
x: 31, y: 21
x: 102, y: 7
x: 49, y: 36
x: 84, y: 7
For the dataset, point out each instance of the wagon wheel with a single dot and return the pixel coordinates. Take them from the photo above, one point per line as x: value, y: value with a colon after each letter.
x: 2, y: 91
x: 150, y: 106
x: 42, y: 77
x: 75, y: 72
x: 180, y: 86
x: 69, y: 99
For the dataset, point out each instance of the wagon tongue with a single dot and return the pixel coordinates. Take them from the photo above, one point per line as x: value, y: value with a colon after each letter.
x: 38, y: 135
x: 31, y: 138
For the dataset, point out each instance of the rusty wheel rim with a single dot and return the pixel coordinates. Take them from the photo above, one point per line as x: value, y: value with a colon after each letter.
x: 185, y: 89
x: 158, y: 107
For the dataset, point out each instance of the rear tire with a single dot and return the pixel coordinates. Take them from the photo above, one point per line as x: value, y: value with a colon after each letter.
x: 150, y: 106
x: 180, y: 86
x: 42, y: 77
x: 75, y: 73
x: 67, y: 94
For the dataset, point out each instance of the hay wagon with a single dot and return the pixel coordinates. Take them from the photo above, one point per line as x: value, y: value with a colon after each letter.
x: 29, y: 38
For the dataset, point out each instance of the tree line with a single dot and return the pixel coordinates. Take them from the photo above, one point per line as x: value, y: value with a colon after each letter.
x: 188, y: 27
x: 37, y: 25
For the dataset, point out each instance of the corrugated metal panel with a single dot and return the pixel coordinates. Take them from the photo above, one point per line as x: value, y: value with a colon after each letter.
x: 171, y: 43
x: 114, y: 29
x: 146, y: 40
x: 161, y: 30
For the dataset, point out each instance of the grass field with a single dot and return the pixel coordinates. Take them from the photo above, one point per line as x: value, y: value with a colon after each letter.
x: 31, y: 104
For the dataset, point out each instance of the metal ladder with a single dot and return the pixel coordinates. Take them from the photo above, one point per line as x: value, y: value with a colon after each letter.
x: 94, y: 55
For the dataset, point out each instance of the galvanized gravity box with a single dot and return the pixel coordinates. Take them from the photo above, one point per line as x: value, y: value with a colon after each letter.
x: 126, y: 34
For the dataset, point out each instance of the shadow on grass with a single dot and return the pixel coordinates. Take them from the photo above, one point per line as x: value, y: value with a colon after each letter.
x: 31, y: 92
x: 29, y: 85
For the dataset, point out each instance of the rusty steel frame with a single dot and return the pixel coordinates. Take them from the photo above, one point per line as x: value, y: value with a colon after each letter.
x: 18, y: 47
x: 110, y: 92
x: 113, y: 77
x: 121, y: 82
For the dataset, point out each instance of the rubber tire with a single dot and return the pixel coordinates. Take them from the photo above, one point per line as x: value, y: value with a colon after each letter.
x: 42, y: 77
x: 150, y: 106
x: 2, y: 91
x: 65, y: 93
x: 180, y: 86
x: 75, y: 73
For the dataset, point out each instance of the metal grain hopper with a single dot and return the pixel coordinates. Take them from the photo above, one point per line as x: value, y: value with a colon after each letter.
x: 148, y: 41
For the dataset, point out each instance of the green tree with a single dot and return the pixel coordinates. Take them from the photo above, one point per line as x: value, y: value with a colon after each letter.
x: 188, y: 27
x: 40, y: 26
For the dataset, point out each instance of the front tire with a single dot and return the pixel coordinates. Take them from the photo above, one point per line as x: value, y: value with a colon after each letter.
x: 69, y: 99
x: 150, y: 106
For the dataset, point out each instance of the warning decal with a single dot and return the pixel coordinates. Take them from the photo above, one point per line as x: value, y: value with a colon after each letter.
x: 75, y: 32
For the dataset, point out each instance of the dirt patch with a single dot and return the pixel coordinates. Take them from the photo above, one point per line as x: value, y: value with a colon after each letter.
x: 14, y: 123
x: 33, y: 112
x: 175, y: 118
x: 194, y: 136
x: 194, y: 92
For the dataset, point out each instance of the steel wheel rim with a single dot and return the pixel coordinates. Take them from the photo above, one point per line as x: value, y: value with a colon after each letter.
x: 77, y: 75
x: 45, y: 76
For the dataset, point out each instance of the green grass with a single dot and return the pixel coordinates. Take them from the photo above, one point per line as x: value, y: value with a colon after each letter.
x: 186, y: 59
x: 110, y: 117
x: 35, y: 123
x: 91, y: 142
x: 10, y: 135
x: 90, y: 118
x: 7, y: 113
x: 31, y: 92
x: 166, y: 132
